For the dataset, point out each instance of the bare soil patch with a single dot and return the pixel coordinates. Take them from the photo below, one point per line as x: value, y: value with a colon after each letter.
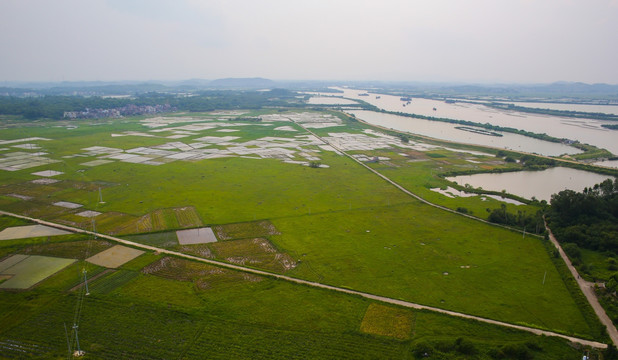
x: 115, y: 257
x: 88, y: 214
x: 30, y: 231
x: 47, y: 173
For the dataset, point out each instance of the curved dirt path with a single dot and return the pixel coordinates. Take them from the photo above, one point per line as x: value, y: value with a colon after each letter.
x: 588, y: 290
x: 383, y: 299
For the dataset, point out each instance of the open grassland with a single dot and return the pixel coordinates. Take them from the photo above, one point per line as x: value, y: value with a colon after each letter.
x: 434, y: 258
x: 238, y: 319
x: 340, y: 225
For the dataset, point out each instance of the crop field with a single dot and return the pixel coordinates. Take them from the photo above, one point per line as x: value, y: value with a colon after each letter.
x: 202, y: 275
x: 112, y: 281
x: 238, y: 320
x: 333, y: 222
x: 71, y: 249
x: 29, y: 270
x: 245, y: 230
x: 388, y: 321
x: 256, y: 252
x: 115, y: 256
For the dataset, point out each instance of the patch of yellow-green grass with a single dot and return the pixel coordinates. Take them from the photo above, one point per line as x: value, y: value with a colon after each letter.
x: 119, y: 223
x: 387, y: 321
x: 74, y: 249
x: 158, y: 221
x: 188, y: 217
x: 178, y: 293
x: 141, y: 261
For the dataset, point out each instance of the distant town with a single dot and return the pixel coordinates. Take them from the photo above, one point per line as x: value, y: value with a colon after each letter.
x: 128, y: 110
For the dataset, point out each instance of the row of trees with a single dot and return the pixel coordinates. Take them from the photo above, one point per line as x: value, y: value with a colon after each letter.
x: 54, y: 107
x: 532, y: 223
x: 554, y: 112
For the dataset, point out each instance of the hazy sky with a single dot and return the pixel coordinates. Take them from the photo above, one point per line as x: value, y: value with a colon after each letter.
x: 524, y: 41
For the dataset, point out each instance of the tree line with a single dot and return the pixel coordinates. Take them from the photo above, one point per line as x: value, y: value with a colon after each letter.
x: 54, y: 107
x: 588, y: 219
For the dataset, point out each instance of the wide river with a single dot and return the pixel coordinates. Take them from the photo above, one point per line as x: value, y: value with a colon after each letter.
x: 587, y: 131
x: 448, y: 131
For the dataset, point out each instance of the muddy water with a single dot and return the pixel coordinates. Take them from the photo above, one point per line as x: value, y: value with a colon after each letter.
x: 587, y: 131
x: 540, y: 184
x: 447, y: 131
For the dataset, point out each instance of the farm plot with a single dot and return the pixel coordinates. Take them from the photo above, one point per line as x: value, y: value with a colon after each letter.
x: 115, y: 257
x: 30, y: 231
x: 110, y: 282
x: 196, y: 236
x: 202, y: 275
x: 72, y: 249
x: 27, y: 271
x: 245, y: 230
x: 256, y: 252
x: 166, y: 239
x: 387, y: 321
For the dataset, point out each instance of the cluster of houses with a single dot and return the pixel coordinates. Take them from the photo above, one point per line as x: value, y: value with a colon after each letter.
x: 127, y: 110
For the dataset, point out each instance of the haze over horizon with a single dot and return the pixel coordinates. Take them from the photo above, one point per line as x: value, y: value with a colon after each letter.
x: 479, y: 41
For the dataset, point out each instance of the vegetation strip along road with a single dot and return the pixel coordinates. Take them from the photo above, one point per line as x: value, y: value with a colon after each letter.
x: 588, y: 290
x: 383, y: 299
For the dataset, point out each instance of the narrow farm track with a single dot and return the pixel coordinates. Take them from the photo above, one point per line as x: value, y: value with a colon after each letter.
x: 383, y: 299
x: 588, y: 290
x: 401, y: 188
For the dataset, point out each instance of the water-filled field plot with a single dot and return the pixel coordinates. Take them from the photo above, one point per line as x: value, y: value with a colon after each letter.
x: 196, y: 236
x: 24, y: 271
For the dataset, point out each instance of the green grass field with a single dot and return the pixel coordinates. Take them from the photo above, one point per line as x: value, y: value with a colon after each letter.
x: 237, y: 319
x: 340, y: 225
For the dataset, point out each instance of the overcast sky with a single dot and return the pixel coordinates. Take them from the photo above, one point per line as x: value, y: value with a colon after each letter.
x: 522, y: 41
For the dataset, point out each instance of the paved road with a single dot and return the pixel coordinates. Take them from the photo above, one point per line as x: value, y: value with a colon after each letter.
x: 588, y: 290
x: 313, y: 284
